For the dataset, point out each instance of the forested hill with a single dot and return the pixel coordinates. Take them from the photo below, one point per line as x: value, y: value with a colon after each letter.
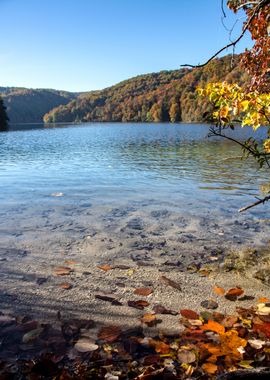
x: 164, y: 96
x: 29, y: 105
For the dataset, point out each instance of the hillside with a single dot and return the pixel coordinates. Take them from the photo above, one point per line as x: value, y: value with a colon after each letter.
x: 163, y: 96
x: 29, y: 105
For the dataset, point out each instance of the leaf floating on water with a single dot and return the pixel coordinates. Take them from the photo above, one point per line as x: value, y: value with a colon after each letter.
x: 57, y: 194
x: 105, y: 267
x: 86, y: 345
x: 65, y: 285
x: 219, y: 291
x: 109, y: 333
x: 209, y: 304
x: 140, y: 304
x: 62, y: 271
x: 169, y: 282
x: 189, y: 314
x: 159, y: 309
x: 233, y: 293
x: 143, y: 291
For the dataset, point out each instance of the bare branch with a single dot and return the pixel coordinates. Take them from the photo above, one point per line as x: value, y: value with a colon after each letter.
x: 260, y: 5
x: 263, y: 200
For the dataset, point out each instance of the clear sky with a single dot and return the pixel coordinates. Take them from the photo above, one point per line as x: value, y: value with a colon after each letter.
x: 81, y: 45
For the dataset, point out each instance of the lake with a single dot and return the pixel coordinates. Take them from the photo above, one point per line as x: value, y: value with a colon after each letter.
x: 110, y: 174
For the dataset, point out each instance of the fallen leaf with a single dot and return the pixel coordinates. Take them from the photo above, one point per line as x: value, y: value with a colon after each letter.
x: 169, y: 282
x: 210, y: 368
x: 159, y: 309
x: 214, y: 326
x: 62, y: 271
x: 71, y: 262
x: 263, y: 300
x: 263, y: 328
x: 105, y: 267
x: 161, y: 347
x: 86, y: 345
x: 32, y: 335
x: 107, y: 298
x: 109, y: 333
x: 233, y: 293
x: 186, y: 356
x: 143, y: 291
x: 148, y: 318
x: 246, y: 364
x: 189, y: 314
x: 219, y: 291
x: 262, y: 309
x: 209, y: 304
x: 65, y: 285
x: 256, y: 343
x: 140, y: 304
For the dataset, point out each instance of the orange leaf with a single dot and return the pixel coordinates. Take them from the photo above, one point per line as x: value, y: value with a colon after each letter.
x: 161, y: 347
x: 189, y: 314
x: 219, y: 291
x: 71, y: 262
x: 143, y: 291
x: 214, y: 326
x: 105, y: 267
x: 65, y: 285
x: 233, y: 293
x: 62, y: 271
x: 210, y: 368
x: 148, y: 318
x: 263, y: 300
x: 109, y: 333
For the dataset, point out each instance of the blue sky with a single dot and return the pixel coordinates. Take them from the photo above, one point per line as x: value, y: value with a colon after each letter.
x: 81, y: 45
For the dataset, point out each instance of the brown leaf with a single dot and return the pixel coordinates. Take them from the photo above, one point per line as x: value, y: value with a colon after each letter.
x: 233, y: 293
x: 159, y: 309
x: 105, y: 267
x: 143, y: 291
x: 140, y: 304
x: 65, y: 285
x: 62, y: 271
x: 186, y: 356
x: 104, y: 297
x: 219, y: 291
x: 109, y: 334
x: 169, y: 282
x: 71, y: 262
x: 209, y: 304
x: 189, y: 314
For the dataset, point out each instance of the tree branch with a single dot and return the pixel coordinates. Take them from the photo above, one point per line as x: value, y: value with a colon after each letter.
x: 260, y: 5
x: 263, y: 200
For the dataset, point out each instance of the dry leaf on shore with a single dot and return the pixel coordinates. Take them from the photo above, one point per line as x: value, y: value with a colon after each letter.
x: 105, y: 267
x: 62, y: 271
x: 219, y: 291
x: 140, y: 304
x: 169, y: 282
x: 143, y: 291
x: 109, y: 333
x: 189, y: 314
x: 65, y: 285
x: 233, y: 293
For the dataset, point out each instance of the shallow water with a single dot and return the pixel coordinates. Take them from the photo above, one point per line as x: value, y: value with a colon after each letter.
x: 109, y: 172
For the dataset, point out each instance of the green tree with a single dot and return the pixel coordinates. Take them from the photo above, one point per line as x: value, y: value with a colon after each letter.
x: 3, y: 116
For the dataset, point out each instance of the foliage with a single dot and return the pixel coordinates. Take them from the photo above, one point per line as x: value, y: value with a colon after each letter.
x: 250, y: 105
x: 29, y: 105
x: 3, y: 116
x: 165, y: 96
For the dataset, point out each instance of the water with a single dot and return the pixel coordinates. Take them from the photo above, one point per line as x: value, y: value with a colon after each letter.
x: 99, y: 167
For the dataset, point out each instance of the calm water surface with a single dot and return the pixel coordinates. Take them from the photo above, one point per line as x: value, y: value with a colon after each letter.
x: 174, y: 166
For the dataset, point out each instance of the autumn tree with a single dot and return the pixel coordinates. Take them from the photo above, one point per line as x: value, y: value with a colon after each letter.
x: 3, y: 116
x: 250, y: 104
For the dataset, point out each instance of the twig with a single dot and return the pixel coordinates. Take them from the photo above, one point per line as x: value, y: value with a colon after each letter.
x: 263, y: 200
x: 260, y: 5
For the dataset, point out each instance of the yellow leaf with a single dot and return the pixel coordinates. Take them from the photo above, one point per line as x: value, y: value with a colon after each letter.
x: 214, y: 326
